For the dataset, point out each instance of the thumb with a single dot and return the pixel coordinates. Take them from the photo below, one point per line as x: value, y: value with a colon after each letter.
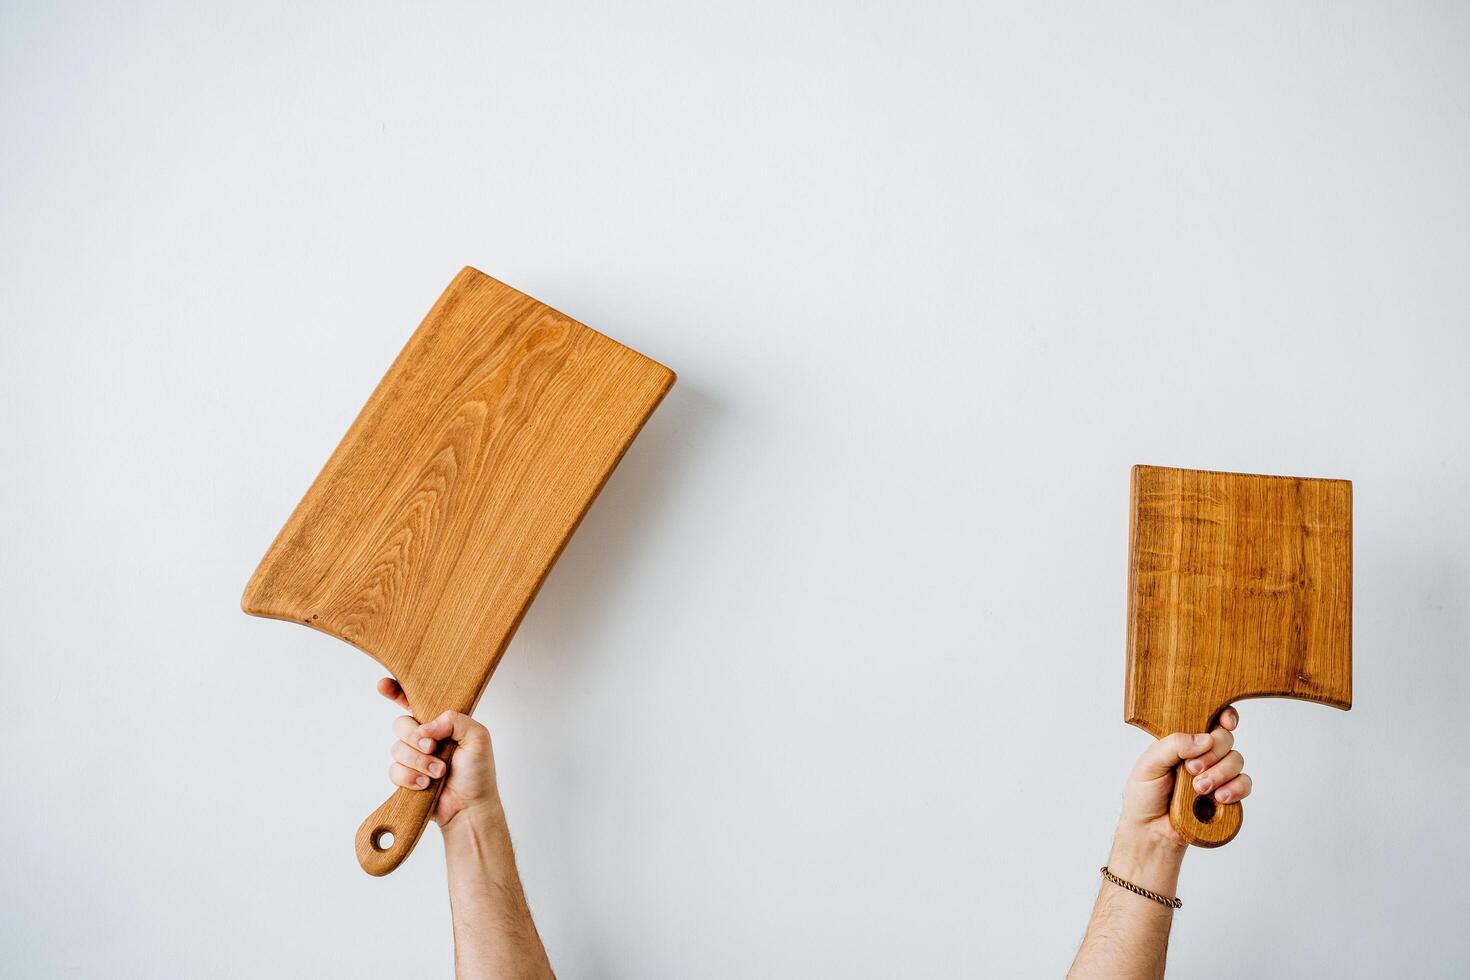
x: 1160, y: 758
x: 452, y: 724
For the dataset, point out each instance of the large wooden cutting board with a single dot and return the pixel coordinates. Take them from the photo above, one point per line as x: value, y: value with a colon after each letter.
x: 431, y: 527
x: 1239, y: 586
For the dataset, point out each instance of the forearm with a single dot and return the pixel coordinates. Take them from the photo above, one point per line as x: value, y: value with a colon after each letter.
x: 1128, y: 935
x: 494, y: 936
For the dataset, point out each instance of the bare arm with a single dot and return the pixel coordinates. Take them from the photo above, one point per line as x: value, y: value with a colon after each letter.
x: 1128, y: 935
x: 494, y: 935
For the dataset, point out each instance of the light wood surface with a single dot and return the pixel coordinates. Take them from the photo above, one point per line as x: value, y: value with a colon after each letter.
x: 1239, y: 586
x: 433, y: 524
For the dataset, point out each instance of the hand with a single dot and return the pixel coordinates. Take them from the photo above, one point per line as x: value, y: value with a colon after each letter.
x: 471, y: 783
x: 1128, y: 935
x: 1213, y: 763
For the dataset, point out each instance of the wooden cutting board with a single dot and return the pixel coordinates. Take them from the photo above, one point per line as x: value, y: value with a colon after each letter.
x: 433, y: 524
x: 1239, y: 586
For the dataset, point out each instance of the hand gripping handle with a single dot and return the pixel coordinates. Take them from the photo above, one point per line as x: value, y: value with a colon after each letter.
x: 388, y: 835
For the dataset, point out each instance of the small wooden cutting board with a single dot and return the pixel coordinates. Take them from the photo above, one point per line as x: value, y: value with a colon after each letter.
x: 1239, y: 586
x: 433, y: 524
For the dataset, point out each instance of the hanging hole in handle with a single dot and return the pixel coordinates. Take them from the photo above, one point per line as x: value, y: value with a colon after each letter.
x: 382, y: 839
x: 1204, y: 809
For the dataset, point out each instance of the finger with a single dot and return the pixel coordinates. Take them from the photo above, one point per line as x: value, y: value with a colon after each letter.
x: 1229, y: 718
x: 1220, y: 773
x: 411, y: 758
x: 1221, y: 742
x: 406, y: 730
x: 389, y: 688
x: 1235, y: 790
x: 407, y: 778
x: 1160, y: 758
x: 452, y: 724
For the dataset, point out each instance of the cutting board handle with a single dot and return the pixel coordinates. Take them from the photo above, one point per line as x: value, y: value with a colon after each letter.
x: 1200, y: 820
x: 403, y: 816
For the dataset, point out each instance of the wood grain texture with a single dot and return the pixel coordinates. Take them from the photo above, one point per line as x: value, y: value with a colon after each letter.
x: 433, y: 524
x: 1239, y: 586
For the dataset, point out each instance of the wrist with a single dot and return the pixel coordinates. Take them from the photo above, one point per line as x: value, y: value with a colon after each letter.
x: 1145, y: 858
x: 475, y: 820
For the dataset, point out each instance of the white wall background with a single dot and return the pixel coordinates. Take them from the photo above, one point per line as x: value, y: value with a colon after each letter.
x: 830, y: 682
